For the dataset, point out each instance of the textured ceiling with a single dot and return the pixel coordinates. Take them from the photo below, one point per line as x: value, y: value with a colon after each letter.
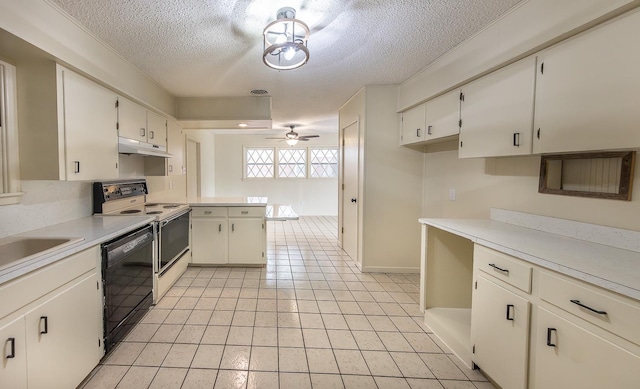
x: 214, y: 47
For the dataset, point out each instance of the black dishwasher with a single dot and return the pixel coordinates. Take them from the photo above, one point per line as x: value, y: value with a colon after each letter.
x: 127, y: 274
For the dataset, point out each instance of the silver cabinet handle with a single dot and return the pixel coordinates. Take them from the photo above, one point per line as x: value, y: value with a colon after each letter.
x: 245, y: 212
x: 151, y: 134
x: 418, y: 132
x: 493, y: 265
x: 219, y: 227
x: 233, y: 227
x: 76, y: 166
x: 12, y: 349
x: 170, y: 168
x: 143, y: 132
x: 429, y: 130
x: 516, y: 139
x: 207, y: 212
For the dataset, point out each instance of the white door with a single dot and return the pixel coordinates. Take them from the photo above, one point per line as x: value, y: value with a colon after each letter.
x: 350, y: 190
x: 193, y: 169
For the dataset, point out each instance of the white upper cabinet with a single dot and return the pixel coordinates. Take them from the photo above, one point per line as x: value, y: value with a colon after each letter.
x: 91, y: 143
x: 497, y: 112
x: 156, y: 129
x: 413, y: 125
x: 132, y: 120
x: 443, y: 116
x: 587, y: 90
x: 67, y: 126
x: 136, y: 122
x: 175, y: 146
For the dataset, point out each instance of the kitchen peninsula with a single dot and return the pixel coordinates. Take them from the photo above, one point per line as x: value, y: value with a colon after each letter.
x: 228, y: 231
x: 524, y: 297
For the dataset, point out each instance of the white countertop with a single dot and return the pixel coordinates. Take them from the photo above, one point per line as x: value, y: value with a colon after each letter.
x: 228, y: 201
x: 611, y: 268
x: 93, y: 230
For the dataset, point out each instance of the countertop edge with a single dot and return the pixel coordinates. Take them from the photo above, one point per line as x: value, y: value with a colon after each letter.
x: 532, y: 258
x: 129, y: 224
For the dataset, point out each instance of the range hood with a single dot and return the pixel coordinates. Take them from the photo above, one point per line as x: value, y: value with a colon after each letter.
x: 132, y: 146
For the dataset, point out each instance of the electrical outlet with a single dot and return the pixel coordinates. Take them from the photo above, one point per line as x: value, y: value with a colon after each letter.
x: 452, y: 194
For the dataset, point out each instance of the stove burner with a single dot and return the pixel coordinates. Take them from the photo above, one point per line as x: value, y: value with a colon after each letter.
x: 151, y: 205
x: 171, y: 206
x: 131, y: 211
x: 153, y: 212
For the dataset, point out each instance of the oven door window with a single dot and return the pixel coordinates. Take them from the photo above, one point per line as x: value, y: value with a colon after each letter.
x: 174, y: 239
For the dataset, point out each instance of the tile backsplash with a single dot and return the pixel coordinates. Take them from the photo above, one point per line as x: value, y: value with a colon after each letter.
x: 46, y: 203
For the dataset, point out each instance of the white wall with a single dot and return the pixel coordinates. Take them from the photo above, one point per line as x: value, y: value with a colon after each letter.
x: 317, y: 196
x: 44, y: 204
x: 207, y: 160
x: 511, y: 183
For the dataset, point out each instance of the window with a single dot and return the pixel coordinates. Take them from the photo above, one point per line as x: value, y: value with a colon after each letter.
x: 324, y: 163
x: 259, y: 163
x: 292, y: 163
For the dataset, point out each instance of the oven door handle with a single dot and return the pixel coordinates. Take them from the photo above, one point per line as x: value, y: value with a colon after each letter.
x: 167, y: 221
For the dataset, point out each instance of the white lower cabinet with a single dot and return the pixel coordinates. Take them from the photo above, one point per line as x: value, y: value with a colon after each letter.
x: 246, y: 241
x: 562, y: 333
x: 13, y: 371
x: 209, y: 240
x: 61, y: 336
x: 500, y: 333
x: 228, y: 235
x: 569, y: 356
x: 51, y: 324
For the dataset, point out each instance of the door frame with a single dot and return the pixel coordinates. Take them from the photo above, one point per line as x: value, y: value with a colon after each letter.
x: 341, y: 195
x: 197, y: 168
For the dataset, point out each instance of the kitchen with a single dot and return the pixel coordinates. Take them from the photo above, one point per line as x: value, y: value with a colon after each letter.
x: 478, y: 183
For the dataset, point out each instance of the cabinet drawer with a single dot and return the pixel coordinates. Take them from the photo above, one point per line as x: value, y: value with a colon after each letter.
x: 614, y: 313
x: 504, y: 267
x: 209, y: 212
x: 246, y: 211
x: 18, y: 293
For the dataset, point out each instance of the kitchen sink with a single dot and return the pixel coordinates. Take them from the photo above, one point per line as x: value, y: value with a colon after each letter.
x: 20, y: 249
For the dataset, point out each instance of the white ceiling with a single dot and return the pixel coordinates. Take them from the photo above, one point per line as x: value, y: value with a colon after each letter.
x: 214, y: 48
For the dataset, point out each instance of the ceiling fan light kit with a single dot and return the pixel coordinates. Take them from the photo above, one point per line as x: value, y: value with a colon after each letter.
x: 292, y: 138
x: 285, y: 41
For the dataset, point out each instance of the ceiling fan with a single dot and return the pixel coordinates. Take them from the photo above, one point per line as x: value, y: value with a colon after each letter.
x: 292, y: 137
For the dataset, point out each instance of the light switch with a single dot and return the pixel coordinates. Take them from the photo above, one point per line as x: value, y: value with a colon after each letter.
x: 452, y: 194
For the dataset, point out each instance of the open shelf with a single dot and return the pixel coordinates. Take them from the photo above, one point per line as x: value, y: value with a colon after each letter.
x: 453, y: 327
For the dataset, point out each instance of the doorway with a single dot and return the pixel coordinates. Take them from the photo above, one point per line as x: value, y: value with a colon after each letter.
x: 193, y: 169
x: 349, y: 200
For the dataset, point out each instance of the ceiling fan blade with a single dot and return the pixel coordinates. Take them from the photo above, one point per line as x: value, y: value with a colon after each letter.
x: 305, y: 137
x: 275, y: 138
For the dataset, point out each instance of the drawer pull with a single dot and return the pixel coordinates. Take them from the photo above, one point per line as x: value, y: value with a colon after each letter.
x: 12, y: 354
x: 245, y: 212
x: 207, y: 212
x: 510, y: 312
x: 45, y: 330
x: 219, y: 227
x: 493, y: 265
x: 549, y: 331
x: 577, y: 302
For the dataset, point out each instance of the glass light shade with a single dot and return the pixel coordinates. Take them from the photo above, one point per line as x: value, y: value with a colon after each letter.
x: 292, y: 142
x: 285, y: 42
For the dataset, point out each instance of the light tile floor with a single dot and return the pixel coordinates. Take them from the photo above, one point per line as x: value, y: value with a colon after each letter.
x: 309, y: 319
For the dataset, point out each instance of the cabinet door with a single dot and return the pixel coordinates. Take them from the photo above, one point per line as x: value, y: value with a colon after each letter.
x: 587, y: 88
x: 13, y: 370
x: 64, y: 337
x: 497, y: 112
x: 443, y: 116
x: 156, y: 129
x: 132, y: 120
x: 246, y: 240
x: 500, y: 333
x: 209, y: 238
x: 568, y: 356
x: 175, y: 147
x: 90, y: 136
x: 413, y: 125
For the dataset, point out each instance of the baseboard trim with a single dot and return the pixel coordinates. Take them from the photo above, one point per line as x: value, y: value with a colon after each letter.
x: 389, y: 269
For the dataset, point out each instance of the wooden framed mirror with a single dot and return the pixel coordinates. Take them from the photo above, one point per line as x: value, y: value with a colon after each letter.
x: 603, y: 175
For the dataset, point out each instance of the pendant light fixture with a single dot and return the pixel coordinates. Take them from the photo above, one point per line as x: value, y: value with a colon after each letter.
x: 285, y: 41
